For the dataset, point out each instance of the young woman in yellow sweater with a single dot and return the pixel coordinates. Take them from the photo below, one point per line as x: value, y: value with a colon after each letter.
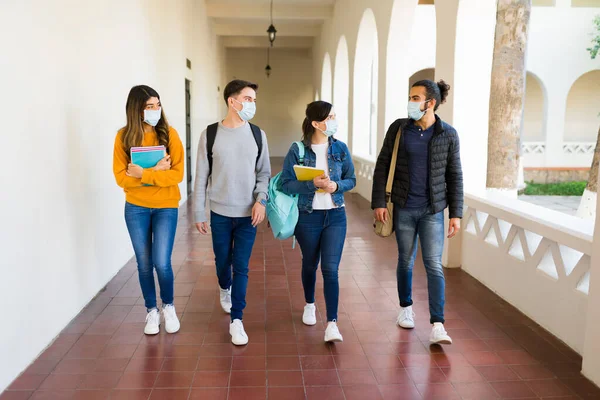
x: 152, y: 200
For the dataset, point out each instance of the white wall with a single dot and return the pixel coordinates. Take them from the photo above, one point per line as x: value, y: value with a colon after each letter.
x: 556, y: 54
x: 282, y: 98
x: 65, y: 82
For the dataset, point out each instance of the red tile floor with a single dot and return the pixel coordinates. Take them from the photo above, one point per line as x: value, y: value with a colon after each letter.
x: 497, y: 353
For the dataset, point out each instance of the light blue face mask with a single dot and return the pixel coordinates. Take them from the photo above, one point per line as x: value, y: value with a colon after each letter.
x: 248, y: 110
x: 414, y: 110
x: 331, y: 127
x: 151, y: 117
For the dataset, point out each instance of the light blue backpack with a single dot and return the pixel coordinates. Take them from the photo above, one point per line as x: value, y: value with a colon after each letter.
x: 282, y: 209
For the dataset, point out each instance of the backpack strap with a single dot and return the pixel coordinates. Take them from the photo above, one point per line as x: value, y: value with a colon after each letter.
x: 211, y: 135
x: 258, y: 139
x: 300, y: 152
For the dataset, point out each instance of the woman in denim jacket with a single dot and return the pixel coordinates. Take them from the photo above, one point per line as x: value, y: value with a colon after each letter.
x: 321, y: 228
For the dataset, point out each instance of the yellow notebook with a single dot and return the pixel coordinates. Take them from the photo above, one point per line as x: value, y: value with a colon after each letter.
x: 308, y: 174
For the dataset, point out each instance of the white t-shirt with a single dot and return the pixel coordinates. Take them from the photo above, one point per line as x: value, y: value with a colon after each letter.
x: 322, y: 201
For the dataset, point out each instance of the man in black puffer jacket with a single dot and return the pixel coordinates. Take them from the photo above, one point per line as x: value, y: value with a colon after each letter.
x: 427, y: 179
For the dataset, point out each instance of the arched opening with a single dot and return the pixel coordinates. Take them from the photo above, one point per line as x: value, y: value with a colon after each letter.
x: 583, y: 107
x: 326, y: 79
x: 427, y: 73
x: 534, y: 117
x: 364, y: 132
x: 341, y: 89
x: 407, y: 36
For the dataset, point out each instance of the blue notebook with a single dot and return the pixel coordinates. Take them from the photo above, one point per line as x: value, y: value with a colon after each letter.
x: 147, y: 157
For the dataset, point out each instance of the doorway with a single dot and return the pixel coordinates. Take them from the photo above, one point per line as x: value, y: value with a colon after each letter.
x: 188, y: 136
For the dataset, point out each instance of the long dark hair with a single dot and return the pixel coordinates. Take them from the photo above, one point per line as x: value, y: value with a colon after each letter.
x: 133, y: 132
x: 315, y: 111
x: 438, y: 91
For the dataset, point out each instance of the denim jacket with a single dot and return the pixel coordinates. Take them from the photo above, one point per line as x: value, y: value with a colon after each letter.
x: 341, y: 171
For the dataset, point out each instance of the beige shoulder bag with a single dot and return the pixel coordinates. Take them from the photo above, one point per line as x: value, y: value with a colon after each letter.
x: 385, y: 229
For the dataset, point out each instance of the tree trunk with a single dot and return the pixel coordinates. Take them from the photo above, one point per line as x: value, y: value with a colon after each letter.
x: 587, y: 206
x: 507, y: 94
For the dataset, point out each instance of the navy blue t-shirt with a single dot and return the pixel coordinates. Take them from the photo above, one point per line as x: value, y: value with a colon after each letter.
x: 416, y: 144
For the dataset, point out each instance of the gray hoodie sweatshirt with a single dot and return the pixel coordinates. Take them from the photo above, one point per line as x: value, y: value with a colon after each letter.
x: 238, y: 181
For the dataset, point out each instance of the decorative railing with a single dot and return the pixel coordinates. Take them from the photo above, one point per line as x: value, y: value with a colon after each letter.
x: 579, y: 147
x: 536, y: 259
x: 364, y: 176
x: 534, y: 147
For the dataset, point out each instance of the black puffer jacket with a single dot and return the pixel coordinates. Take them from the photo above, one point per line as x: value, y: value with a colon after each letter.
x: 445, y: 171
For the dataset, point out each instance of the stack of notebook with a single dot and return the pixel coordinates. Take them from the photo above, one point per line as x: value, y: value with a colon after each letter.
x: 147, y: 157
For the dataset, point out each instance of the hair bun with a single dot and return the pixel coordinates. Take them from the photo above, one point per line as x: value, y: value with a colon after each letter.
x: 444, y: 90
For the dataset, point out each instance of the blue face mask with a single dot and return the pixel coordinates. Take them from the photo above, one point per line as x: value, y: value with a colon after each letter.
x: 248, y: 110
x: 151, y: 117
x: 331, y: 127
x: 414, y: 110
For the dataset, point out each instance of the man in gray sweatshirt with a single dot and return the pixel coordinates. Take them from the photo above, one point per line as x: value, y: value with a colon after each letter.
x: 234, y: 176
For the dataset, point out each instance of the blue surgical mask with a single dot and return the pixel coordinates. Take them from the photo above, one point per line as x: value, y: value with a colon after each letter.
x: 414, y: 110
x: 151, y: 117
x: 248, y: 110
x: 331, y: 127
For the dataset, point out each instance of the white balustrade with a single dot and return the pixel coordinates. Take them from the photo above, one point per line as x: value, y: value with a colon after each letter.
x: 536, y: 259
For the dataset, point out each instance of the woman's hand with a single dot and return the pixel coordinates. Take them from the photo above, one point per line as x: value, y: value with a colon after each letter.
x: 321, y: 181
x: 331, y: 187
x: 164, y: 164
x: 134, y: 171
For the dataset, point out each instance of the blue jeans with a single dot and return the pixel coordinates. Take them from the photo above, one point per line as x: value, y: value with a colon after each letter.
x: 233, y: 239
x: 321, y: 235
x: 152, y: 232
x: 410, y: 225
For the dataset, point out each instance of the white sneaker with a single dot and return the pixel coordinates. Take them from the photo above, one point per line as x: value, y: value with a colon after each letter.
x: 332, y: 333
x: 309, y: 317
x: 152, y: 322
x: 238, y: 334
x: 172, y: 324
x: 439, y: 334
x: 406, y: 318
x: 226, y: 300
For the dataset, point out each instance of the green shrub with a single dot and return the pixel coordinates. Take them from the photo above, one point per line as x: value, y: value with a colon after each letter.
x: 555, y: 189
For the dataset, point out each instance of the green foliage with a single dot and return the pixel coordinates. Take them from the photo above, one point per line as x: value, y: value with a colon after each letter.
x: 595, y: 39
x: 555, y: 189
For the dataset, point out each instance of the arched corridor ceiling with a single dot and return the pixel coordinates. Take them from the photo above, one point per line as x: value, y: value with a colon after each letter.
x: 243, y: 23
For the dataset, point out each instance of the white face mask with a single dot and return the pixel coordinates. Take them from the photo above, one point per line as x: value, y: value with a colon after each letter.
x: 414, y: 110
x: 248, y: 110
x: 151, y: 117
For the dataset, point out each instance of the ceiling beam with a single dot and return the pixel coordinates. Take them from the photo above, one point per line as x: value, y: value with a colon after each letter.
x: 253, y: 42
x: 257, y: 29
x: 261, y: 12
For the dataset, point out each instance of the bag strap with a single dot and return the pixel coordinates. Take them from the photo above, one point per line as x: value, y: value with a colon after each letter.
x: 390, y: 181
x: 258, y: 139
x: 211, y: 134
x: 300, y: 152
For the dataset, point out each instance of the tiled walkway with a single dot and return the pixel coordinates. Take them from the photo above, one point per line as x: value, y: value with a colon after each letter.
x: 564, y: 204
x: 497, y: 352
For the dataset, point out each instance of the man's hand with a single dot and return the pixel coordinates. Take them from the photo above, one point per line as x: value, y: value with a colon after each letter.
x: 134, y: 171
x: 258, y: 214
x: 382, y: 214
x: 202, y: 227
x: 453, y: 227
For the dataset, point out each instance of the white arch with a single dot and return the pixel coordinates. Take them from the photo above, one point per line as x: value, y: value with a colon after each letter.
x: 583, y: 105
x: 326, y: 92
x: 366, y: 64
x: 341, y: 88
x: 402, y: 20
x: 536, y: 109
